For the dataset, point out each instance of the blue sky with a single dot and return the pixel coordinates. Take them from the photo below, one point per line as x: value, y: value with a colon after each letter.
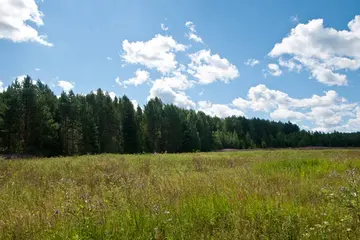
x: 279, y: 60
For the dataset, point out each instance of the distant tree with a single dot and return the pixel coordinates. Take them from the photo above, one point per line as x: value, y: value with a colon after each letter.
x: 153, y: 120
x: 130, y: 127
x: 191, y: 140
x: 34, y: 121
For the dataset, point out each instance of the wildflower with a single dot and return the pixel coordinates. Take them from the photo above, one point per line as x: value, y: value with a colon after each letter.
x: 326, y: 222
x: 167, y: 212
x: 348, y: 230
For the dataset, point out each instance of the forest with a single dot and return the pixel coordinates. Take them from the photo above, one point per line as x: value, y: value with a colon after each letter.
x: 33, y: 120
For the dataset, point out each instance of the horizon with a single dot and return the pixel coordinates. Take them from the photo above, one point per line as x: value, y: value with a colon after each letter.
x: 273, y: 61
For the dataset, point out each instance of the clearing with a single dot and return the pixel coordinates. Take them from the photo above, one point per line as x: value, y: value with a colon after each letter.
x: 283, y: 194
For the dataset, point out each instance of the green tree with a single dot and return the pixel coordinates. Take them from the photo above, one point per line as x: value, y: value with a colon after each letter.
x: 130, y: 127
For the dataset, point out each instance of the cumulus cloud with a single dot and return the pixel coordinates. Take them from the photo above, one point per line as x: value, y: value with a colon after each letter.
x: 322, y: 50
x: 109, y: 58
x: 192, y: 32
x: 220, y: 110
x: 65, y: 85
x: 274, y: 69
x: 251, y: 62
x: 169, y: 95
x: 141, y: 77
x: 163, y: 27
x: 177, y: 81
x: 351, y: 125
x: 37, y: 69
x: 158, y: 53
x: 290, y: 64
x: 328, y: 111
x: 14, y: 18
x: 284, y: 113
x: 209, y: 68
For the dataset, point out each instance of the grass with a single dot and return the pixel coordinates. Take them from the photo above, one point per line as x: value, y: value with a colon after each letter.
x: 285, y: 194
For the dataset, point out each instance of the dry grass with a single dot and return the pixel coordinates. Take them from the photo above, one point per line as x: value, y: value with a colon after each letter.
x: 285, y: 194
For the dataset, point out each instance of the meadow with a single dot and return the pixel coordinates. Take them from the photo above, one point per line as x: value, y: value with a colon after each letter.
x: 264, y: 194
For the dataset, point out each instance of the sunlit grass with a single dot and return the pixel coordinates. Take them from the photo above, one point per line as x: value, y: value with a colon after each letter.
x: 238, y: 195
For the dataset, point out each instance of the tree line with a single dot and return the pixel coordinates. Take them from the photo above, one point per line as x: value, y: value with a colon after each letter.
x: 33, y: 120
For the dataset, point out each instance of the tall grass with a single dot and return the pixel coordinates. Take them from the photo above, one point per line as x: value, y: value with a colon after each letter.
x: 284, y: 194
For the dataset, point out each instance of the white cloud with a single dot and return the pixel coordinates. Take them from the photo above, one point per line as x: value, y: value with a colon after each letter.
x: 284, y: 113
x: 328, y: 77
x: 141, y: 77
x: 261, y: 98
x: 323, y: 50
x: 21, y: 79
x: 351, y: 125
x: 168, y: 95
x: 112, y: 95
x: 242, y: 103
x: 177, y: 81
x: 201, y: 92
x: 156, y: 53
x: 118, y: 81
x: 251, y: 62
x: 109, y: 58
x: 290, y: 64
x: 327, y: 112
x: 135, y: 104
x: 14, y: 16
x: 220, y: 110
x: 274, y: 69
x: 209, y: 68
x: 65, y: 85
x: 191, y: 26
x: 192, y: 32
x: 294, y: 19
x: 163, y: 27
x: 196, y: 38
x: 2, y: 87
x: 37, y: 69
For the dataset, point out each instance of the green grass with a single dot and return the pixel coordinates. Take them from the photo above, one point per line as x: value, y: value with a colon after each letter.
x: 287, y: 194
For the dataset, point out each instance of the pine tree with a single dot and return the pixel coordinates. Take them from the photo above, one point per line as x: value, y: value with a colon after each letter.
x: 130, y: 129
x: 152, y: 116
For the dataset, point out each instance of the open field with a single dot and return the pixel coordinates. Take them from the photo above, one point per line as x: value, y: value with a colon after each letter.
x: 285, y: 194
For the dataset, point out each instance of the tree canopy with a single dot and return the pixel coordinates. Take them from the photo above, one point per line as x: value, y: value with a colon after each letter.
x: 33, y: 120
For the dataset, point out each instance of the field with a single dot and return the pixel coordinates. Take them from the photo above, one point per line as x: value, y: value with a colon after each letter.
x: 283, y: 194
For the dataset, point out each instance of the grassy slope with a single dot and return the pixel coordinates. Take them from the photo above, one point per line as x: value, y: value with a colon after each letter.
x: 285, y: 194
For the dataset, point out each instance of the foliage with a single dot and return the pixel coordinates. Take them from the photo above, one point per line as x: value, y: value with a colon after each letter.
x: 34, y: 121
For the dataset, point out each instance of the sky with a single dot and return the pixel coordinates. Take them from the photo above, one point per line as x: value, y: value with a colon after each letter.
x: 280, y: 60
